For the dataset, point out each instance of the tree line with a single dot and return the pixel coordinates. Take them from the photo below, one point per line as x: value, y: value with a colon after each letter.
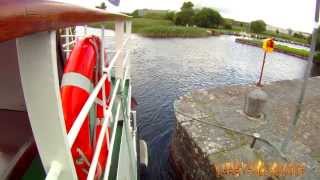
x: 207, y: 18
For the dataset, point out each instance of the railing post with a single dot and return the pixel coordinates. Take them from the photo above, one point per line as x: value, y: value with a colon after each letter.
x: 103, y: 66
x: 85, y: 30
x: 54, y: 171
x: 128, y: 32
x: 128, y: 27
x: 39, y: 76
x: 119, y: 36
x: 67, y: 42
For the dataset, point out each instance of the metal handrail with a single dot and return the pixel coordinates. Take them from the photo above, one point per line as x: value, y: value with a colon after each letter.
x: 96, y: 155
x: 69, y: 43
x: 70, y: 40
x: 74, y: 131
x: 113, y: 136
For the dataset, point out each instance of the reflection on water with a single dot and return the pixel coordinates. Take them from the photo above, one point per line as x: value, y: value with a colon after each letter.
x: 164, y: 69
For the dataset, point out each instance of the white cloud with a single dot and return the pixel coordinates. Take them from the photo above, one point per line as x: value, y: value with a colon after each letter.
x: 295, y: 14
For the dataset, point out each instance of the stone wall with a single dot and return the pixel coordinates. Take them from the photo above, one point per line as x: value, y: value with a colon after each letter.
x: 212, y: 129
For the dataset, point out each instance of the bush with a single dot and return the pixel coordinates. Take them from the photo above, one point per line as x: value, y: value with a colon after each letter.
x: 155, y: 15
x: 227, y: 26
x: 170, y: 15
x: 208, y: 18
x: 135, y: 14
x: 184, y: 17
x: 316, y: 57
x: 258, y: 26
x: 298, y: 35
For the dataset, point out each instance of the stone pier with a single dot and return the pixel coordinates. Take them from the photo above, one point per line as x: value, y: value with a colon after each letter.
x: 212, y: 130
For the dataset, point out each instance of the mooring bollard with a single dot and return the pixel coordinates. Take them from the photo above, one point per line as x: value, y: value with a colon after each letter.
x: 255, y: 102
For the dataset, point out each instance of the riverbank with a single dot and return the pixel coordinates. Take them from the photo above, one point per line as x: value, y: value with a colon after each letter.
x: 300, y: 53
x: 173, y: 31
x: 280, y: 38
x: 160, y: 28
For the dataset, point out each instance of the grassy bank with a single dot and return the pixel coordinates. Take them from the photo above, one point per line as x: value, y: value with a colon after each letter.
x: 160, y: 28
x: 300, y: 53
x: 173, y: 31
x: 286, y: 37
x: 139, y: 23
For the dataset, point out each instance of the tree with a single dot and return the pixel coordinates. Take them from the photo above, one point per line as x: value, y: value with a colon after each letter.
x: 170, y: 15
x: 290, y: 31
x: 227, y: 25
x: 208, y: 18
x: 102, y: 6
x: 187, y: 6
x: 135, y: 14
x: 185, y: 16
x: 277, y: 31
x: 258, y: 26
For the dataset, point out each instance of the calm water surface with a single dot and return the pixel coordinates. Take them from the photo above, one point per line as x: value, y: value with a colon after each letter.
x: 164, y: 69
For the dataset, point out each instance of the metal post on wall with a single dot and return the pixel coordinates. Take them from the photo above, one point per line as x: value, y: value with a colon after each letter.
x: 296, y: 117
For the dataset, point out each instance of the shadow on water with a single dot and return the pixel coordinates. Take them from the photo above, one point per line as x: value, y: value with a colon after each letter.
x: 164, y: 69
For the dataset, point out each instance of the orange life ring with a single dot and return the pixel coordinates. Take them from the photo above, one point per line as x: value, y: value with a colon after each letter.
x: 77, y: 83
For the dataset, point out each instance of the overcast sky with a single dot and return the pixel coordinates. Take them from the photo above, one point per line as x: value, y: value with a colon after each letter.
x: 295, y: 14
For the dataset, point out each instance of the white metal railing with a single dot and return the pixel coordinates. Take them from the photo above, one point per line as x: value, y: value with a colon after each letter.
x: 94, y: 161
x: 70, y: 39
x: 119, y: 84
x: 108, y: 165
x: 54, y: 171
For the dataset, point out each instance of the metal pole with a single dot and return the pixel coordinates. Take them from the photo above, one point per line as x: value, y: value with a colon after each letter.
x: 305, y: 82
x: 262, y: 68
x: 67, y: 42
x: 104, y: 100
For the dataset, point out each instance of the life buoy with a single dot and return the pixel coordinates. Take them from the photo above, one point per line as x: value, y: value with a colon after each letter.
x: 77, y: 83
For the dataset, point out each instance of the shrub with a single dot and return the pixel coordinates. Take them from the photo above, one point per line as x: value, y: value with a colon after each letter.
x: 258, y: 26
x: 170, y: 15
x: 227, y: 26
x: 208, y: 18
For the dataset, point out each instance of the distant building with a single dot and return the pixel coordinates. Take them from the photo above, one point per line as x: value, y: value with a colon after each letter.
x: 143, y: 12
x: 274, y: 28
x: 286, y: 31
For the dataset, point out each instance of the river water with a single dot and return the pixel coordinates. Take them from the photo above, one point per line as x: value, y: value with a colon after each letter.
x: 164, y: 69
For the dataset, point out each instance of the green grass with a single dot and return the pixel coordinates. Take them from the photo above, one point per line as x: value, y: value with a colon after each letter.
x: 173, y: 31
x: 283, y: 49
x: 140, y: 23
x: 227, y: 30
x: 286, y: 37
x: 160, y: 28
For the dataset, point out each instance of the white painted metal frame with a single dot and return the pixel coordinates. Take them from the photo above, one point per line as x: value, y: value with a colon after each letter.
x: 42, y: 96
